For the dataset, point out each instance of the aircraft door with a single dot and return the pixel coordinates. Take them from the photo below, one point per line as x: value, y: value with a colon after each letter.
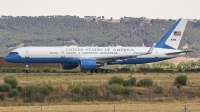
x: 62, y: 53
x: 157, y: 54
x: 26, y: 54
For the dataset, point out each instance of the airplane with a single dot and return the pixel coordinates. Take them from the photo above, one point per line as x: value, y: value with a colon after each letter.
x: 92, y: 57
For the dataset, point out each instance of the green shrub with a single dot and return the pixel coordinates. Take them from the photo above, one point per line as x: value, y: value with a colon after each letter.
x: 76, y: 88
x: 178, y: 86
x: 181, y: 79
x: 141, y: 69
x: 127, y: 90
x: 115, y: 80
x: 46, y: 70
x: 27, y: 100
x: 38, y: 71
x: 132, y: 81
x: 89, y: 90
x: 11, y: 80
x: 180, y: 70
x: 2, y: 96
x: 5, y: 87
x: 125, y: 69
x: 116, y: 89
x: 45, y: 91
x: 76, y: 98
x: 13, y: 93
x: 30, y: 89
x: 19, y: 88
x: 145, y: 82
x: 157, y: 69
x: 165, y: 95
x: 54, y: 70
x: 39, y: 97
x: 126, y: 83
x: 158, y: 89
x: 49, y: 86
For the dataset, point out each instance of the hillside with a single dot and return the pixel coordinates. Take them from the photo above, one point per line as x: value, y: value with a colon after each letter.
x: 67, y: 30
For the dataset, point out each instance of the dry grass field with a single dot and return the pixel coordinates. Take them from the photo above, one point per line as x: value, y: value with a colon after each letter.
x: 108, y: 107
x: 162, y: 79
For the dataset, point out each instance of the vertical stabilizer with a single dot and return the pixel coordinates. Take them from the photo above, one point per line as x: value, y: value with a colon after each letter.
x: 172, y: 38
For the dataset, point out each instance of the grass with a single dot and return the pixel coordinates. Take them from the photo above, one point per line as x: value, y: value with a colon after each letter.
x: 107, y: 107
x: 138, y: 104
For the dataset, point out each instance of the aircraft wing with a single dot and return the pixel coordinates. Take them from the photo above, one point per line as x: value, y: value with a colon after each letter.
x: 114, y: 58
x: 123, y: 57
x: 172, y: 53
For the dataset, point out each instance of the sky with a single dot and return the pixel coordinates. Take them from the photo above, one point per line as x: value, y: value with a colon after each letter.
x: 163, y: 9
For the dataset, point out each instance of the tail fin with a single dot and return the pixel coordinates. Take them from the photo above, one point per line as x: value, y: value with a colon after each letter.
x: 172, y: 38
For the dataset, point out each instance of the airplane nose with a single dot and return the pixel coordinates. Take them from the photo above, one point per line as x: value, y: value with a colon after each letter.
x: 8, y: 58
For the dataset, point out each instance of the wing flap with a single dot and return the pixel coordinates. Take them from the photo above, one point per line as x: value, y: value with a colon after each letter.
x: 123, y: 57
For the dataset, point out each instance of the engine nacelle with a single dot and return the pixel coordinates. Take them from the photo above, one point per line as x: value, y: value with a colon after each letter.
x: 68, y: 66
x: 87, y: 64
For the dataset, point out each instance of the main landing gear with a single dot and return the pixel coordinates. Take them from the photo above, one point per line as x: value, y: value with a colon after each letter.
x: 100, y: 71
x: 104, y: 70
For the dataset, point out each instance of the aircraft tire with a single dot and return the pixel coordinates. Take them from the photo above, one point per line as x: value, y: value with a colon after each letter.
x: 92, y: 71
x: 27, y: 71
x: 103, y: 71
x: 108, y: 71
x: 97, y: 70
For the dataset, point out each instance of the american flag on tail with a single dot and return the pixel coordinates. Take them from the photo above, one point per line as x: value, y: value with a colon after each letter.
x: 177, y: 33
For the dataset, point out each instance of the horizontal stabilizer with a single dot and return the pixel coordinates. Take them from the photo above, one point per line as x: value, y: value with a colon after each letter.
x: 178, y: 52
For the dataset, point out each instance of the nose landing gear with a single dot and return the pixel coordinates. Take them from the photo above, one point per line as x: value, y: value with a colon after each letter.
x: 27, y: 68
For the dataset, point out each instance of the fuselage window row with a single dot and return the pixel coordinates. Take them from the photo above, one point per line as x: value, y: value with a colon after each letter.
x: 90, y: 53
x: 139, y: 53
x: 70, y: 52
x: 108, y: 52
x: 53, y: 52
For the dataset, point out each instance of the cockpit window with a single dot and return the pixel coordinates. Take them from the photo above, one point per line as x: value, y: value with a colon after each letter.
x: 13, y: 53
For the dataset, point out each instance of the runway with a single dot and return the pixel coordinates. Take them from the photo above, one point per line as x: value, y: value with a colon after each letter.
x: 88, y: 73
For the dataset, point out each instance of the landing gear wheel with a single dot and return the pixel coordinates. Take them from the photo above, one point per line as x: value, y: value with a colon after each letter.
x: 92, y: 71
x: 103, y: 71
x: 27, y: 71
x: 108, y: 71
x: 97, y: 70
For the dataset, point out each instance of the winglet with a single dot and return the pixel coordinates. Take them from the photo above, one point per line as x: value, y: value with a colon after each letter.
x: 151, y: 49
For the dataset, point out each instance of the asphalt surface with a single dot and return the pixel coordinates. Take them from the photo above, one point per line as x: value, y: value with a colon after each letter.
x: 16, y: 73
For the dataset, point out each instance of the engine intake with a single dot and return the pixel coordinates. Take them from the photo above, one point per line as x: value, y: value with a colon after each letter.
x: 87, y: 64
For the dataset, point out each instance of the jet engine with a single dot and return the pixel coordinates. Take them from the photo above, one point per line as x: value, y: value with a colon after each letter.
x: 87, y: 64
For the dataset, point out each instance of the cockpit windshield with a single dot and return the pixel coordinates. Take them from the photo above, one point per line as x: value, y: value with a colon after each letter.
x: 13, y: 53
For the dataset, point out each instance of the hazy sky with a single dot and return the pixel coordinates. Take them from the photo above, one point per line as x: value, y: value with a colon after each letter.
x: 165, y: 9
